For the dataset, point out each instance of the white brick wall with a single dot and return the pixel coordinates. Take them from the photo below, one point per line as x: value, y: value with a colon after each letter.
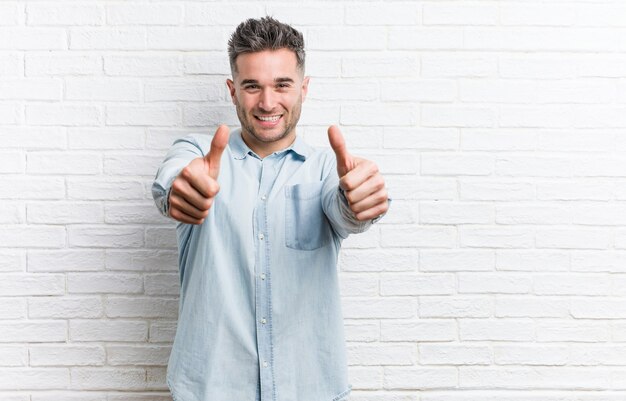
x: 499, y: 274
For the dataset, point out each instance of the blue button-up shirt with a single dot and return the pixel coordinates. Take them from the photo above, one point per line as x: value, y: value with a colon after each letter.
x: 260, y: 314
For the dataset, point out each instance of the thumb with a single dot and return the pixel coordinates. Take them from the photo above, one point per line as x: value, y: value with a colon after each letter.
x: 218, y: 144
x: 344, y: 160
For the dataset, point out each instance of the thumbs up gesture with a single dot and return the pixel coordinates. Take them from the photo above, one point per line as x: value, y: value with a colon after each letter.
x: 195, y: 187
x: 360, y: 179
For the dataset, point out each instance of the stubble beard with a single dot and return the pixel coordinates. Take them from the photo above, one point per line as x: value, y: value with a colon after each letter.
x: 290, y: 125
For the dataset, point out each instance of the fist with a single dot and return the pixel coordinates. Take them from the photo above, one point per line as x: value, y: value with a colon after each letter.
x: 195, y: 187
x: 360, y: 179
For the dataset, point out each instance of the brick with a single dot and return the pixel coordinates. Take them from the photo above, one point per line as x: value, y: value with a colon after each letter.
x: 491, y: 140
x: 531, y: 354
x: 439, y: 188
x: 603, y: 308
x: 64, y: 115
x: 526, y: 14
x: 104, y: 188
x: 187, y: 38
x: 161, y: 284
x: 378, y: 260
x: 494, y: 283
x: 366, y: 378
x: 12, y: 212
x: 170, y: 91
x: 32, y: 331
x: 41, y: 13
x: 230, y: 14
x: 420, y: 378
x: 358, y: 285
x: 148, y: 307
x: 199, y: 115
x: 449, y: 65
x: 359, y: 330
x: 321, y: 13
x: 65, y: 260
x: 21, y: 38
x: 33, y: 138
x: 108, y: 330
x: 132, y: 164
x: 456, y: 260
x: 119, y: 38
x: 532, y: 307
x: 411, y: 38
x: 66, y: 355
x: 422, y: 330
x: 446, y: 354
x: 521, y: 330
x: 152, y: 260
x: 9, y: 14
x: 144, y: 14
x: 62, y: 63
x: 106, y: 138
x: 422, y: 284
x: 498, y: 189
x: 161, y: 238
x: 40, y: 162
x: 64, y: 212
x: 551, y: 330
x: 421, y: 237
x: 125, y: 213
x: 456, y: 213
x: 346, y: 38
x: 455, y: 307
x: 497, y: 237
x: 212, y: 62
x: 381, y: 308
x: 457, y: 116
x: 12, y: 260
x: 108, y: 378
x: 13, y: 356
x: 337, y: 90
x: 371, y: 64
x: 598, y: 261
x: 12, y: 162
x: 33, y: 188
x: 10, y: 114
x: 138, y: 355
x: 460, y: 14
x: 105, y: 236
x: 30, y: 89
x: 111, y: 90
x: 383, y: 14
x: 34, y: 379
x: 64, y: 307
x: 436, y: 164
x: 381, y: 114
x: 381, y: 354
x: 32, y: 236
x: 534, y: 213
x: 430, y: 90
x: 162, y: 331
x: 166, y: 115
x: 564, y: 378
x: 586, y: 238
x: 532, y: 260
x: 11, y: 64
x: 104, y: 283
x: 138, y: 64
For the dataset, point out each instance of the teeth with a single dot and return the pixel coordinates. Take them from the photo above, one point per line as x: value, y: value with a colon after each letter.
x: 271, y: 118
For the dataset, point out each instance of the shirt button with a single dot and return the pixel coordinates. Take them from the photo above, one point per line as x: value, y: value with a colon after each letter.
x: 264, y: 364
x: 261, y: 236
x: 263, y: 321
x: 262, y: 276
x: 263, y: 197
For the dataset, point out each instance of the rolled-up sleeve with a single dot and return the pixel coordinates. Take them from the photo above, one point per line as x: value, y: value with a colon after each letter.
x: 180, y: 154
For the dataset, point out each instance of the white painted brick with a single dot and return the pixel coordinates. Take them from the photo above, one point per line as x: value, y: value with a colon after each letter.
x: 346, y: 38
x: 105, y: 236
x: 422, y: 284
x: 420, y: 378
x: 68, y: 396
x: 151, y: 396
x: 337, y: 90
x: 603, y: 308
x: 36, y: 379
x: 64, y: 307
x: 9, y: 114
x: 107, y: 38
x: 381, y: 308
x: 188, y: 90
x: 536, y: 378
x: 362, y: 331
x: 108, y: 378
x: 455, y: 307
x: 32, y: 284
x: 21, y: 38
x: 572, y: 331
x: 522, y: 395
x: 104, y: 188
x: 64, y: 212
x: 187, y: 38
x: 598, y: 261
x: 208, y: 63
x: 421, y: 91
x: 422, y: 330
x: 457, y: 116
x: 62, y: 63
x: 12, y: 308
x: 494, y: 283
x: 381, y: 354
x: 33, y: 138
x: 63, y: 114
x: 9, y: 14
x: 32, y: 331
x: 531, y: 354
x: 32, y: 236
x: 125, y: 213
x: 64, y: 355
x: 579, y: 140
x: 597, y: 355
x: 34, y: 188
x: 149, y: 307
x: 12, y: 213
x: 420, y: 38
x: 43, y: 13
x: 356, y: 137
x: 30, y: 89
x: 106, y: 138
x: 572, y: 284
x: 402, y: 13
x: 358, y: 285
x: 12, y: 162
x: 393, y: 164
x: 461, y: 14
x: 12, y: 260
x: 230, y: 14
x: 152, y: 260
x: 439, y: 65
x: 165, y: 115
x: 161, y: 284
x: 378, y: 260
x: 532, y: 307
x: 538, y: 14
x: 426, y: 139
x: 534, y: 213
x: 447, y: 354
x: 457, y: 164
x: 138, y: 355
x: 456, y: 213
x: 500, y: 190
x: 402, y: 212
x: 497, y: 237
x: 521, y: 330
x: 139, y: 64
x: 40, y: 162
x: 65, y: 260
x: 199, y: 115
x: 366, y: 378
x: 421, y: 188
x: 372, y: 64
x: 131, y: 164
x: 144, y: 14
x: 578, y: 238
x: 162, y: 331
x: 110, y: 90
x: 161, y: 238
x: 104, y: 283
x: 420, y: 237
x: 490, y: 140
x: 13, y: 356
x: 11, y: 64
x: 456, y: 260
x: 108, y: 330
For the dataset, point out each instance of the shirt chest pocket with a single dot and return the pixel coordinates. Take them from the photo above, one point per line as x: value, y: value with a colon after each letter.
x: 306, y: 226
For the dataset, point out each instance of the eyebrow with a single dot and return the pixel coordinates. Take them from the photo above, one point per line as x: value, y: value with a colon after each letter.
x: 276, y: 80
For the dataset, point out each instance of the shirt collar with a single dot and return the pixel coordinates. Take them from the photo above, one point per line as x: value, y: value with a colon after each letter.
x: 240, y: 150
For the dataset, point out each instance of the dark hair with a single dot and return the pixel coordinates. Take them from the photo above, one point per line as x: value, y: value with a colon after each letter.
x: 267, y: 33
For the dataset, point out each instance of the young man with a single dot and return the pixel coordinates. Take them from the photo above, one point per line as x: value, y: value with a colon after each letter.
x: 261, y: 216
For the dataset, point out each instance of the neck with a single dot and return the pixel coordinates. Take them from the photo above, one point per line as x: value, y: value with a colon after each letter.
x: 263, y: 149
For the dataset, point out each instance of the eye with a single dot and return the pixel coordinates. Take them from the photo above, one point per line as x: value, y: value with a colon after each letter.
x: 251, y: 86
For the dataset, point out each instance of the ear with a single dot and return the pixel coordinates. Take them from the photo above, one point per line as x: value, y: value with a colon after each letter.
x: 231, y: 89
x: 305, y: 87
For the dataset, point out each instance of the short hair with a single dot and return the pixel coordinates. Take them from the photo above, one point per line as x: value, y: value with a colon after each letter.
x: 267, y: 33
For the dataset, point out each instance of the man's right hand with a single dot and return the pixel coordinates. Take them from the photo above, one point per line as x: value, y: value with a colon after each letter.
x: 195, y: 187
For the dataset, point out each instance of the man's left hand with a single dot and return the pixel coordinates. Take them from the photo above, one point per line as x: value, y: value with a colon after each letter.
x: 360, y: 179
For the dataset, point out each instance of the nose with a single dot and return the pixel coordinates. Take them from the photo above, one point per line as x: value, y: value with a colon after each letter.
x: 267, y: 102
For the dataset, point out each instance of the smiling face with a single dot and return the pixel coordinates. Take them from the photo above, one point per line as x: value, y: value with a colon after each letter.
x: 268, y: 90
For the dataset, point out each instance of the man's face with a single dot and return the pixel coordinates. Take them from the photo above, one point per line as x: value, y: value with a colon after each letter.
x: 268, y: 91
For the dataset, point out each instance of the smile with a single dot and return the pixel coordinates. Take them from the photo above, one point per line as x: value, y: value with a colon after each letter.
x: 269, y: 118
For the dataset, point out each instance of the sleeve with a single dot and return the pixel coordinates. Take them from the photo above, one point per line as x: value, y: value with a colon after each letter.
x: 182, y: 152
x: 336, y: 208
